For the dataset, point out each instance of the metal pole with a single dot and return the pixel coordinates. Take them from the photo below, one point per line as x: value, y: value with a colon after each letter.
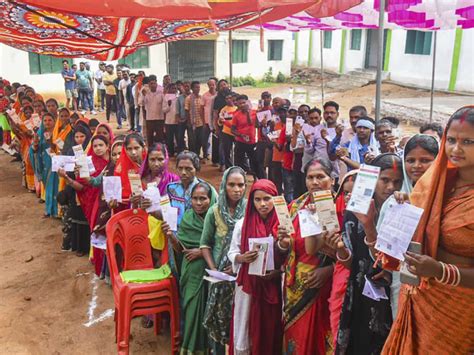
x: 230, y: 58
x: 378, y: 88
x: 322, y: 66
x: 433, y: 76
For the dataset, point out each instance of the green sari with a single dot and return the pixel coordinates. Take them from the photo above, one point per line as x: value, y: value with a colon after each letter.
x: 193, y: 289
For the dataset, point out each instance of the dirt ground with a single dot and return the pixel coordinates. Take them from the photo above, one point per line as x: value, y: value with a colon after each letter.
x: 50, y: 301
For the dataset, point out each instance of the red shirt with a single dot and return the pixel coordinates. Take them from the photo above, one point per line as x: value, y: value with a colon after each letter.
x: 287, y: 154
x: 240, y: 121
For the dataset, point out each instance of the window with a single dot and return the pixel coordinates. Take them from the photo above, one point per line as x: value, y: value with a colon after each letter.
x: 137, y: 60
x: 418, y: 42
x: 240, y: 51
x: 355, y: 39
x: 45, y: 64
x: 275, y: 49
x: 327, y: 39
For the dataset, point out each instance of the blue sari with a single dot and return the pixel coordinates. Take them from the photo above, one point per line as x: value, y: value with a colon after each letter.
x: 42, y: 163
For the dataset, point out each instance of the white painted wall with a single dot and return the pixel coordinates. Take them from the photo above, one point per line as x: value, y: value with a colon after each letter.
x: 257, y: 64
x: 404, y: 68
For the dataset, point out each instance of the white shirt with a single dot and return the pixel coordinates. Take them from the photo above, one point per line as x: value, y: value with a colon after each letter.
x: 123, y: 84
x: 98, y: 75
x: 170, y: 111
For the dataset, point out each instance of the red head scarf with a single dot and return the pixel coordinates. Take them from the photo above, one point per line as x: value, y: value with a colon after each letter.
x: 256, y: 227
x: 122, y: 168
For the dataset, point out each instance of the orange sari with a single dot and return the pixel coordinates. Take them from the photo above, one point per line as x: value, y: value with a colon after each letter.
x: 437, y: 318
x: 25, y: 143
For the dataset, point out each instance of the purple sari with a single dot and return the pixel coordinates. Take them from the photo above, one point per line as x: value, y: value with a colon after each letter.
x: 164, y: 177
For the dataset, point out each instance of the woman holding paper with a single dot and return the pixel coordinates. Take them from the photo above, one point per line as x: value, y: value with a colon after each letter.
x: 41, y: 162
x: 156, y: 169
x: 257, y: 324
x: 215, y: 242
x: 419, y: 154
x: 366, y: 314
x: 307, y: 276
x: 193, y: 289
x: 439, y: 315
x: 130, y: 161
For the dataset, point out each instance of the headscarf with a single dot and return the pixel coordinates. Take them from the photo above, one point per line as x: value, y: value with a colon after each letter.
x: 164, y: 174
x: 222, y: 203
x: 61, y: 132
x: 89, y: 196
x: 256, y: 227
x: 355, y: 146
x: 123, y: 166
x: 339, y: 199
x: 111, y: 135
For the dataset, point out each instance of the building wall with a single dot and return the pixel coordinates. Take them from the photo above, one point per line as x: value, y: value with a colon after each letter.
x: 404, y: 68
x: 14, y: 63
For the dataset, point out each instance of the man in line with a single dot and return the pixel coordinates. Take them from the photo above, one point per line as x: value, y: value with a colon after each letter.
x: 124, y: 83
x: 185, y: 91
x: 218, y: 155
x: 155, y: 123
x: 69, y: 85
x: 207, y: 102
x: 84, y: 84
x: 244, y: 123
x: 194, y: 118
x: 110, y: 94
x: 355, y: 113
x: 100, y: 85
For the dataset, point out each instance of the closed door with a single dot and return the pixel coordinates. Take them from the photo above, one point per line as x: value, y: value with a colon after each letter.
x: 191, y: 60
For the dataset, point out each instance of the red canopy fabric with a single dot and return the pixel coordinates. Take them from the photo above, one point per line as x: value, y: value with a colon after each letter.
x: 48, y: 30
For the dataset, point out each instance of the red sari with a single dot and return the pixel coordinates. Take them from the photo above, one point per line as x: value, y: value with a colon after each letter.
x: 306, y: 310
x: 265, y: 319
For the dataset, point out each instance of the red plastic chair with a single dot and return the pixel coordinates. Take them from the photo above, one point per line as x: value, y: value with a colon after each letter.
x: 128, y: 248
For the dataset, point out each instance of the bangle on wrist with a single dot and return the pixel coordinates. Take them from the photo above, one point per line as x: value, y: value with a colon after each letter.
x: 369, y: 244
x: 346, y: 259
x: 280, y: 247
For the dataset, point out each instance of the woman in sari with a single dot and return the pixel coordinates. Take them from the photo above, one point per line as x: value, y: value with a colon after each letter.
x: 419, y: 154
x: 130, y: 161
x: 193, y: 289
x: 215, y: 242
x: 438, y: 317
x: 42, y: 164
x: 341, y: 272
x: 365, y: 322
x: 307, y: 276
x: 257, y: 323
x: 179, y: 192
x: 52, y: 106
x: 25, y: 136
x: 155, y: 168
x: 62, y: 130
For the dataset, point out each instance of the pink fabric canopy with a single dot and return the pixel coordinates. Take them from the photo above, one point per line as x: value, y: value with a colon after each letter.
x: 405, y: 14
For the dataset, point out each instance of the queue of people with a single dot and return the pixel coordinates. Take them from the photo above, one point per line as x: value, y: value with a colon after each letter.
x: 313, y: 299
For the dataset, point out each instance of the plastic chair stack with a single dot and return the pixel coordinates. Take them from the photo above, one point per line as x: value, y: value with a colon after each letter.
x: 128, y: 248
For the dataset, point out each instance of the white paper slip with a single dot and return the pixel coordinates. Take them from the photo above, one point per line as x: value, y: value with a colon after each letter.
x: 374, y: 292
x: 264, y: 115
x: 364, y: 188
x: 77, y: 149
x: 326, y: 210
x: 135, y: 183
x: 99, y: 241
x: 274, y: 135
x: 270, y: 260
x: 221, y: 276
x: 60, y: 143
x: 259, y: 265
x: 112, y: 187
x: 282, y: 213
x: 47, y: 135
x: 83, y: 167
x: 13, y: 115
x: 29, y: 125
x: 289, y: 126
x: 398, y: 226
x: 165, y: 203
x: 62, y: 162
x: 90, y: 164
x: 153, y: 194
x: 299, y: 121
x: 309, y: 224
x: 36, y: 120
x: 7, y: 149
x: 171, y: 217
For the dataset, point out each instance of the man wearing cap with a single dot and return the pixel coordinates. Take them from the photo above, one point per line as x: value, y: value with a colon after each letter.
x: 353, y: 153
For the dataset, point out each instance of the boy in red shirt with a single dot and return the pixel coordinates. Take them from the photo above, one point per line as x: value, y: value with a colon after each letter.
x: 244, y: 124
